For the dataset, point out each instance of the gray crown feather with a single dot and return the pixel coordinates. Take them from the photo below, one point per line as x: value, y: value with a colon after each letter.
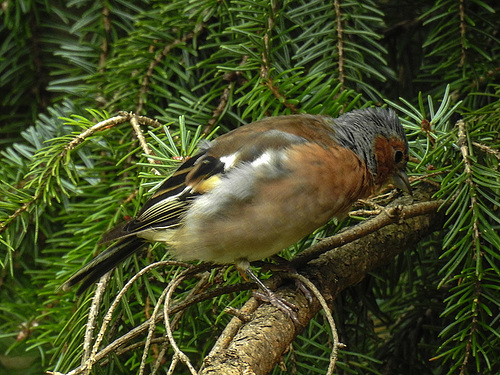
x: 358, y: 129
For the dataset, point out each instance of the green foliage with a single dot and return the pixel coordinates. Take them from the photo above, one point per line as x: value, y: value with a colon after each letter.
x: 472, y: 245
x: 71, y: 169
x: 50, y: 50
x: 461, y: 46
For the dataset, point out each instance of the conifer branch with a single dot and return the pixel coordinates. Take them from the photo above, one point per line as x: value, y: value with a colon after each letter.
x: 157, y: 60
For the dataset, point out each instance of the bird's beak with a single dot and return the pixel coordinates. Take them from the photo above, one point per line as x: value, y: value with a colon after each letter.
x: 400, y: 180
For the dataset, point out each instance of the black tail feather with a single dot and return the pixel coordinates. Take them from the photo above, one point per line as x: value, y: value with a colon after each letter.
x: 104, y: 262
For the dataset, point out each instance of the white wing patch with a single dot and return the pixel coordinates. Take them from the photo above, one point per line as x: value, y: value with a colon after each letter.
x: 264, y: 159
x: 229, y: 160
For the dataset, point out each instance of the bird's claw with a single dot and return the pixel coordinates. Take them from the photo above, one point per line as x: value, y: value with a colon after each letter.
x: 282, y: 304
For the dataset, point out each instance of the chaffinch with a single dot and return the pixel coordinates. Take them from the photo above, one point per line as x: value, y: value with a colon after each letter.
x: 261, y: 188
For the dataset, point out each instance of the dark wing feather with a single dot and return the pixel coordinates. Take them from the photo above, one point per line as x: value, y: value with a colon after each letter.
x: 103, y: 263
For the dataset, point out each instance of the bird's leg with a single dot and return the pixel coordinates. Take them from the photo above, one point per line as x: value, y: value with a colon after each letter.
x: 285, y: 266
x: 267, y: 294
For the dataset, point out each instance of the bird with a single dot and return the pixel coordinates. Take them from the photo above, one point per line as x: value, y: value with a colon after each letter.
x: 260, y: 188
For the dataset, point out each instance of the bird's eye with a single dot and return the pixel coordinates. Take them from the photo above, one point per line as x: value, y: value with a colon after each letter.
x: 398, y: 156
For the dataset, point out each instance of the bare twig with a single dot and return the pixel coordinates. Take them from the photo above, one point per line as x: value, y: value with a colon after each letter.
x: 264, y: 69
x: 244, y: 317
x: 143, y: 327
x: 336, y: 344
x: 142, y: 141
x: 364, y: 212
x: 93, y: 357
x: 19, y: 212
x: 489, y: 150
x: 464, y: 149
x: 113, y: 121
x: 178, y: 353
x: 463, y: 31
x: 152, y: 326
x: 340, y: 41
x: 194, y: 291
x: 93, y: 313
x: 220, y: 108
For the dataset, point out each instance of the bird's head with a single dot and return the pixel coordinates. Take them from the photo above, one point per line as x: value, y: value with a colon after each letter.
x: 378, y: 138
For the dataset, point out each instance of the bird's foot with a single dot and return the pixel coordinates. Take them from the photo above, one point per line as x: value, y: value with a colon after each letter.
x: 285, y: 266
x: 282, y: 304
x: 265, y: 294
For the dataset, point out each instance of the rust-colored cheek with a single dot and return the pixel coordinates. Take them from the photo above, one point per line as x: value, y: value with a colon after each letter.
x: 384, y: 155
